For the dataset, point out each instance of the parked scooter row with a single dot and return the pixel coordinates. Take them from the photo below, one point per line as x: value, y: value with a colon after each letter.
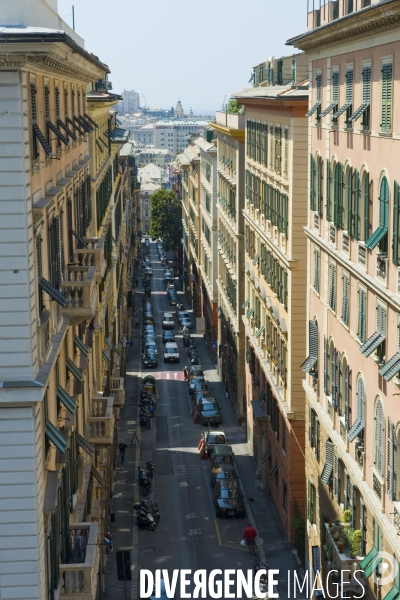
x: 147, y: 513
x: 148, y: 405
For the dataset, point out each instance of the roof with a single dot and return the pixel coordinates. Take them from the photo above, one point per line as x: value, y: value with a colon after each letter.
x: 127, y: 149
x: 94, y: 96
x: 174, y: 123
x: 155, y: 151
x: 204, y: 145
x: 150, y: 186
x: 274, y: 92
x: 190, y: 154
x: 18, y: 33
x: 150, y: 171
x: 182, y: 159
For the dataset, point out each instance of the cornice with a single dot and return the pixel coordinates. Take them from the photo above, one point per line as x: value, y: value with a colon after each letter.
x: 374, y: 20
x: 237, y: 134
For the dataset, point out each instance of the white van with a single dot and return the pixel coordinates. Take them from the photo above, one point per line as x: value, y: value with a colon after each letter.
x: 171, y: 352
x: 168, y: 321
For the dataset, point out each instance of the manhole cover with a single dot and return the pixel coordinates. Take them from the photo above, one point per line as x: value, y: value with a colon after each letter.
x: 146, y: 551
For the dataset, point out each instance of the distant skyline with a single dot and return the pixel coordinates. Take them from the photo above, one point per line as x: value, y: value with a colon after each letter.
x: 200, y: 54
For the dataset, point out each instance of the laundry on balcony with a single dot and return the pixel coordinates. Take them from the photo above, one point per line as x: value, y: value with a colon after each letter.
x: 82, y: 347
x: 55, y: 436
x: 84, y: 444
x: 58, y: 133
x: 43, y: 142
x: 74, y: 370
x: 66, y: 399
x: 52, y: 292
x: 273, y: 470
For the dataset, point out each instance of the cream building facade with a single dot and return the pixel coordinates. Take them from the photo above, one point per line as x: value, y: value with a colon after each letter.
x: 352, y: 371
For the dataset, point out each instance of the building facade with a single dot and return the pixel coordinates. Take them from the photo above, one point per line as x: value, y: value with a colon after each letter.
x: 174, y: 134
x: 148, y: 187
x: 155, y: 156
x: 352, y: 370
x: 60, y: 355
x: 281, y: 71
x: 230, y: 133
x: 275, y: 295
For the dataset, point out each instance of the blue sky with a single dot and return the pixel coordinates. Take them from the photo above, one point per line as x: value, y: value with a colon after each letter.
x: 198, y: 51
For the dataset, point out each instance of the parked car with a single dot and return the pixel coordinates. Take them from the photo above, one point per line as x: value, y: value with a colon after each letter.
x: 168, y: 321
x: 171, y: 352
x: 228, y: 499
x: 219, y: 472
x: 212, y: 437
x: 199, y: 396
x: 210, y: 412
x: 151, y: 345
x: 181, y: 314
x: 168, y: 279
x: 150, y: 358
x: 168, y: 336
x: 171, y: 289
x: 148, y: 271
x: 173, y: 299
x: 148, y: 329
x: 195, y: 371
x: 200, y: 387
x: 150, y: 337
x: 194, y: 381
x: 222, y: 453
x: 186, y: 322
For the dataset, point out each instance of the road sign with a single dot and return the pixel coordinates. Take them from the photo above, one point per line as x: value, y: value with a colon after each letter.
x: 214, y: 345
x: 124, y: 565
x: 129, y: 345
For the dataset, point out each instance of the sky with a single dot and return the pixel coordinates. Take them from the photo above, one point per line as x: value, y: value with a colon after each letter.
x: 200, y: 52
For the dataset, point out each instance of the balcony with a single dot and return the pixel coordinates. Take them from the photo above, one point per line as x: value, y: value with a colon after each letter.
x: 381, y: 268
x: 93, y: 256
x: 80, y: 290
x: 233, y: 121
x: 101, y: 421
x: 118, y: 391
x: 340, y: 557
x: 78, y: 579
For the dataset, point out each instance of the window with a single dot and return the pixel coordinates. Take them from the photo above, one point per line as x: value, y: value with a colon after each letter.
x: 293, y: 70
x: 311, y: 502
x: 345, y: 298
x: 348, y: 105
x: 313, y: 431
x: 392, y: 461
x: 328, y: 190
x: 338, y: 195
x: 318, y: 92
x: 312, y: 182
x: 317, y: 262
x: 286, y: 153
x: 278, y: 149
x: 380, y: 235
x: 271, y: 147
x: 386, y: 97
x: 348, y: 201
x: 332, y: 286
x: 364, y: 109
x: 358, y: 426
x: 379, y: 437
x: 362, y: 315
x: 335, y: 95
x: 319, y: 185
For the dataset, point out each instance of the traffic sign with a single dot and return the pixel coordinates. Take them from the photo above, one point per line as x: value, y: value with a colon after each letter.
x: 214, y: 345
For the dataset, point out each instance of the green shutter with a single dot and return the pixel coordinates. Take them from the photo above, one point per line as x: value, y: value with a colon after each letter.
x: 350, y: 193
x: 396, y: 213
x: 345, y: 299
x: 386, y: 100
x: 319, y: 186
x: 328, y: 468
x: 356, y: 201
x: 312, y: 182
x: 366, y: 207
x: 362, y: 314
x: 328, y: 190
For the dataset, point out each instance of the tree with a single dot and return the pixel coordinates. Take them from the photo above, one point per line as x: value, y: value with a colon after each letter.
x: 166, y: 218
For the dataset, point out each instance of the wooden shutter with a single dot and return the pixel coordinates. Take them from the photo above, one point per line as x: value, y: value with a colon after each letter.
x: 366, y: 207
x: 309, y: 501
x: 319, y: 186
x: 347, y: 397
x: 310, y: 426
x: 381, y: 319
x: 386, y: 98
x: 350, y: 193
x: 379, y: 438
x: 345, y: 299
x: 317, y: 438
x: 333, y: 381
x: 356, y: 201
x: 390, y: 458
x: 332, y: 289
x: 384, y: 204
x: 336, y: 484
x: 326, y: 358
x: 362, y: 315
x: 352, y: 495
x: 312, y: 182
x: 345, y: 489
x: 328, y: 190
x: 316, y: 269
x: 396, y: 214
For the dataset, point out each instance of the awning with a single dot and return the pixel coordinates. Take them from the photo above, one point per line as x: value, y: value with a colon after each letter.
x: 106, y: 356
x: 52, y: 292
x: 275, y: 312
x: 67, y: 130
x: 376, y: 237
x: 249, y: 312
x: 372, y: 343
x: 282, y: 325
x: 43, y: 142
x: 82, y: 347
x: 259, y: 332
x: 97, y: 475
x: 58, y: 133
x: 328, y: 468
x: 268, y: 301
x: 55, y: 436
x: 66, y: 399
x: 389, y: 370
x: 273, y: 470
x: 119, y: 136
x: 76, y: 372
x: 265, y: 456
x: 84, y: 444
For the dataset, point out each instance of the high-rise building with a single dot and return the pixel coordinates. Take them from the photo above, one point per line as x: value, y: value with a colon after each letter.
x: 174, y: 134
x: 353, y: 363
x: 130, y: 102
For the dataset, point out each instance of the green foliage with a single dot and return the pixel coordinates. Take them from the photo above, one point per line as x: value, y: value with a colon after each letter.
x: 234, y: 108
x: 347, y: 515
x: 299, y: 527
x: 166, y: 218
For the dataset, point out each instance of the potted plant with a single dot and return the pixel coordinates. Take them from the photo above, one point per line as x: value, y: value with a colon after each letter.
x: 340, y: 545
x: 356, y: 543
x: 347, y: 516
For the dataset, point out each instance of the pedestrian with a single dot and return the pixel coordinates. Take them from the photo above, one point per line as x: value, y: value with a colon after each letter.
x: 122, y: 448
x: 135, y: 436
x: 185, y: 373
x: 249, y: 536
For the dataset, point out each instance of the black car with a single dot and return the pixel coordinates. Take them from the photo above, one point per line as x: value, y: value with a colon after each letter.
x: 168, y: 336
x: 173, y: 299
x: 228, y: 499
x: 150, y: 358
x: 147, y: 338
x: 220, y: 472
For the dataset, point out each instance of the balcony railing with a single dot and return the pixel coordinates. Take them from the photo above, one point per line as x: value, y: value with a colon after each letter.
x: 80, y: 290
x: 377, y: 486
x: 101, y: 421
x: 342, y: 561
x: 118, y: 391
x: 79, y: 579
x: 381, y: 267
x: 93, y: 256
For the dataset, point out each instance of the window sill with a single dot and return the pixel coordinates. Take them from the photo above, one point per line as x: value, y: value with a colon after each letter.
x: 385, y: 134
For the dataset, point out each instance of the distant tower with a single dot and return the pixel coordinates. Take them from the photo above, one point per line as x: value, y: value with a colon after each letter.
x: 179, y: 110
x: 191, y: 114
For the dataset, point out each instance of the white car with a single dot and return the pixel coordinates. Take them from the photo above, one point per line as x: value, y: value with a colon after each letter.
x: 186, y: 322
x: 171, y: 352
x: 168, y: 321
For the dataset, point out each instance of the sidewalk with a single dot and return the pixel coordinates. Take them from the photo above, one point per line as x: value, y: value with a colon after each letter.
x: 262, y: 513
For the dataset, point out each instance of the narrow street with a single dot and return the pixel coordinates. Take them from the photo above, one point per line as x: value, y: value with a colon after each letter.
x: 188, y: 535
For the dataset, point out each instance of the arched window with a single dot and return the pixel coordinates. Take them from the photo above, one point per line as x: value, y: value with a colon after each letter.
x: 380, y: 235
x: 338, y: 195
x: 379, y: 437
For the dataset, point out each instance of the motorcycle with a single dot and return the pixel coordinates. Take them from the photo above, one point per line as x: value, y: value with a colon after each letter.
x: 144, y: 394
x: 151, y: 509
x: 146, y: 520
x: 150, y: 467
x: 145, y: 422
x: 147, y: 413
x: 144, y: 481
x: 145, y: 403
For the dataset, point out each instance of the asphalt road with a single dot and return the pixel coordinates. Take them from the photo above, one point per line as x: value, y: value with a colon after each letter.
x: 189, y: 535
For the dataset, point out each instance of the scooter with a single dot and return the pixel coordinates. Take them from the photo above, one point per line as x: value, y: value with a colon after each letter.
x: 143, y: 481
x: 145, y: 519
x: 150, y: 467
x: 145, y: 422
x: 145, y: 403
x: 151, y: 509
x: 144, y: 394
x: 147, y: 413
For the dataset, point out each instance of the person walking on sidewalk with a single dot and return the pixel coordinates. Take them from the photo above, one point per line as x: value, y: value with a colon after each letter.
x: 249, y: 536
x: 122, y: 448
x: 185, y: 374
x: 135, y: 437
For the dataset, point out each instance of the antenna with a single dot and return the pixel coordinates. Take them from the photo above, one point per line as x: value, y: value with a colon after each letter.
x: 73, y: 17
x: 223, y: 107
